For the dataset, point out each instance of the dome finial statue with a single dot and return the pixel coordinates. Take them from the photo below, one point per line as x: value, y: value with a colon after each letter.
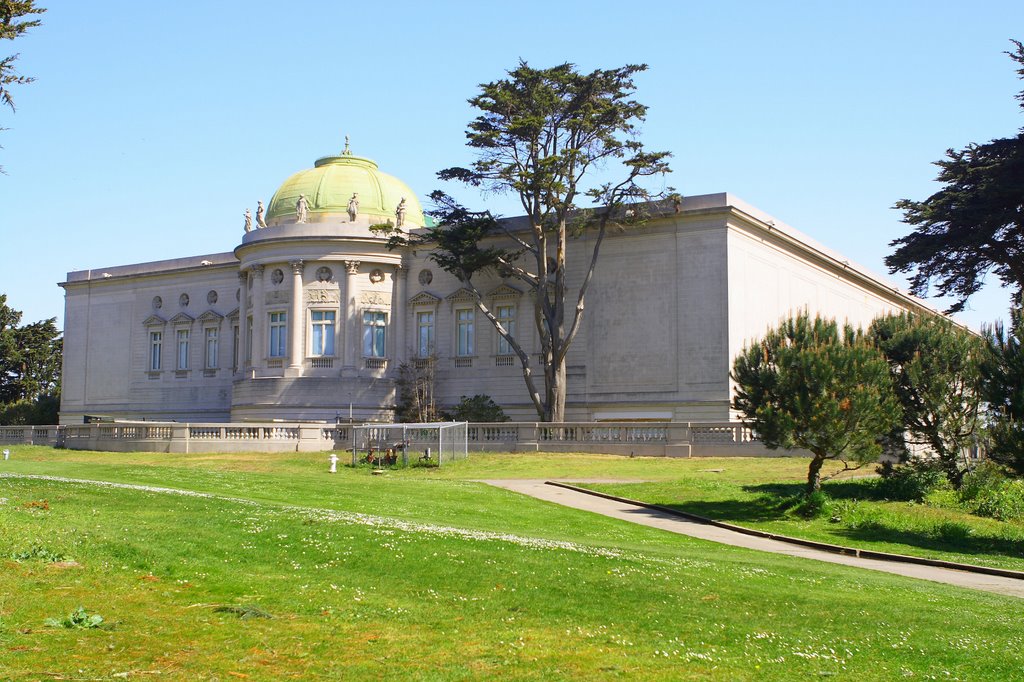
x: 248, y: 221
x: 400, y: 213
x: 301, y: 209
x: 353, y: 207
x: 347, y: 151
x: 259, y: 215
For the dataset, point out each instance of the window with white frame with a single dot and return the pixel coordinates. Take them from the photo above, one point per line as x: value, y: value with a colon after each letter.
x: 424, y: 333
x: 464, y: 319
x: 183, y: 343
x: 506, y: 315
x: 156, y: 341
x: 374, y: 334
x: 212, y: 347
x: 322, y: 336
x: 278, y: 335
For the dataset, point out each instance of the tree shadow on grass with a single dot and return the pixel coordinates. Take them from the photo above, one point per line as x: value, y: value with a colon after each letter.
x: 862, y: 489
x: 948, y: 537
x: 771, y: 501
x: 734, y: 511
x: 774, y: 500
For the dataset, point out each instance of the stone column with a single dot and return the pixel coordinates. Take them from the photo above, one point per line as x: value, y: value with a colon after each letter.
x: 398, y: 321
x: 353, y: 338
x: 296, y: 323
x: 243, y: 319
x: 259, y: 324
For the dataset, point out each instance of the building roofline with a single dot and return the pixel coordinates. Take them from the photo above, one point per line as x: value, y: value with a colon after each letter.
x: 160, y: 267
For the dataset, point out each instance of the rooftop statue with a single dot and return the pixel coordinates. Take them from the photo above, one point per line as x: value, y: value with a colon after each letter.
x: 302, y: 209
x: 248, y: 221
x: 259, y: 215
x: 353, y: 207
x: 400, y: 213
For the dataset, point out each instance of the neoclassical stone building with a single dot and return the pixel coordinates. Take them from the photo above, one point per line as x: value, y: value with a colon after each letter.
x: 309, y: 317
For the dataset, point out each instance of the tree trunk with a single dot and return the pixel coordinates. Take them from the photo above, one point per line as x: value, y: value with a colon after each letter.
x: 814, y: 473
x: 955, y: 475
x: 555, y: 397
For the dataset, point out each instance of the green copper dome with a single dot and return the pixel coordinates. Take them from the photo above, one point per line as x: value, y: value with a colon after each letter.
x: 329, y: 186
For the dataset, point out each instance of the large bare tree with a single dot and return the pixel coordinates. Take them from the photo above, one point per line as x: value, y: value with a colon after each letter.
x: 540, y: 132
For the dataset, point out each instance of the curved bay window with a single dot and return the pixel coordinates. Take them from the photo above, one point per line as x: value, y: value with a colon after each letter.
x: 374, y: 334
x: 278, y: 335
x: 322, y: 333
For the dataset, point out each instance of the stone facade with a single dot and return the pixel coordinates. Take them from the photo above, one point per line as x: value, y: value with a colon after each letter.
x: 332, y: 313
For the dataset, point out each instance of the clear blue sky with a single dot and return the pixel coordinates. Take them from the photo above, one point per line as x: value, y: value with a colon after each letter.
x: 152, y: 126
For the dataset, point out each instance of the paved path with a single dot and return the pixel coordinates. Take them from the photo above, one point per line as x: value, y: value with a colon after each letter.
x: 676, y: 524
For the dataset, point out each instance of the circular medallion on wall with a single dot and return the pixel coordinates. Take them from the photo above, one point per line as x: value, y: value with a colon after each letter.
x: 377, y: 276
x: 211, y: 297
x: 183, y: 300
x: 324, y: 274
x: 158, y: 303
x: 426, y: 277
x: 277, y: 276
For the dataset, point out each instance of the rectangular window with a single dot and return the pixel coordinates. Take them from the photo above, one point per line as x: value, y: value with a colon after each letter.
x: 506, y: 315
x: 323, y: 332
x: 182, y: 349
x: 374, y: 328
x: 212, y: 346
x: 234, y: 346
x: 424, y: 334
x: 278, y: 334
x: 156, y: 341
x: 248, y: 339
x: 464, y: 322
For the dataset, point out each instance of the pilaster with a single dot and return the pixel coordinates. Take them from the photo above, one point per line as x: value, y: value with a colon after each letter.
x: 353, y: 339
x: 243, y: 321
x: 296, y: 323
x: 259, y: 322
x: 398, y: 321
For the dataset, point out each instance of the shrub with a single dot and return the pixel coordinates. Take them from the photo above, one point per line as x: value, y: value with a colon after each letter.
x: 814, y: 505
x: 78, y: 619
x: 987, y: 491
x: 479, y: 408
x: 911, y: 482
x: 39, y: 554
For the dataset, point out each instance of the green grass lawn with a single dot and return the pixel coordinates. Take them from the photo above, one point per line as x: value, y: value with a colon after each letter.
x: 425, y: 574
x: 855, y: 517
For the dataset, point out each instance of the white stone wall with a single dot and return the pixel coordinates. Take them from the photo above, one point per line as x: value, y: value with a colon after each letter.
x: 106, y: 360
x: 670, y: 306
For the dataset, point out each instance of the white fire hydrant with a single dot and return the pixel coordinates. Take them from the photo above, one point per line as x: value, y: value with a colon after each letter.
x: 334, y: 463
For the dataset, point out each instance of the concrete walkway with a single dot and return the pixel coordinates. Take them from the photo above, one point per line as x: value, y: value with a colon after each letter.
x: 657, y: 519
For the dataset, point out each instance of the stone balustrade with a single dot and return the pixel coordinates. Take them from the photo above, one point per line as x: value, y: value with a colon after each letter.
x: 660, y: 439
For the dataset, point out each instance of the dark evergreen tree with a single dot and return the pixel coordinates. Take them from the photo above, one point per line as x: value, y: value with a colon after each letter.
x: 935, y: 368
x: 973, y: 225
x: 30, y: 357
x: 810, y: 385
x: 1004, y: 390
x: 11, y: 11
